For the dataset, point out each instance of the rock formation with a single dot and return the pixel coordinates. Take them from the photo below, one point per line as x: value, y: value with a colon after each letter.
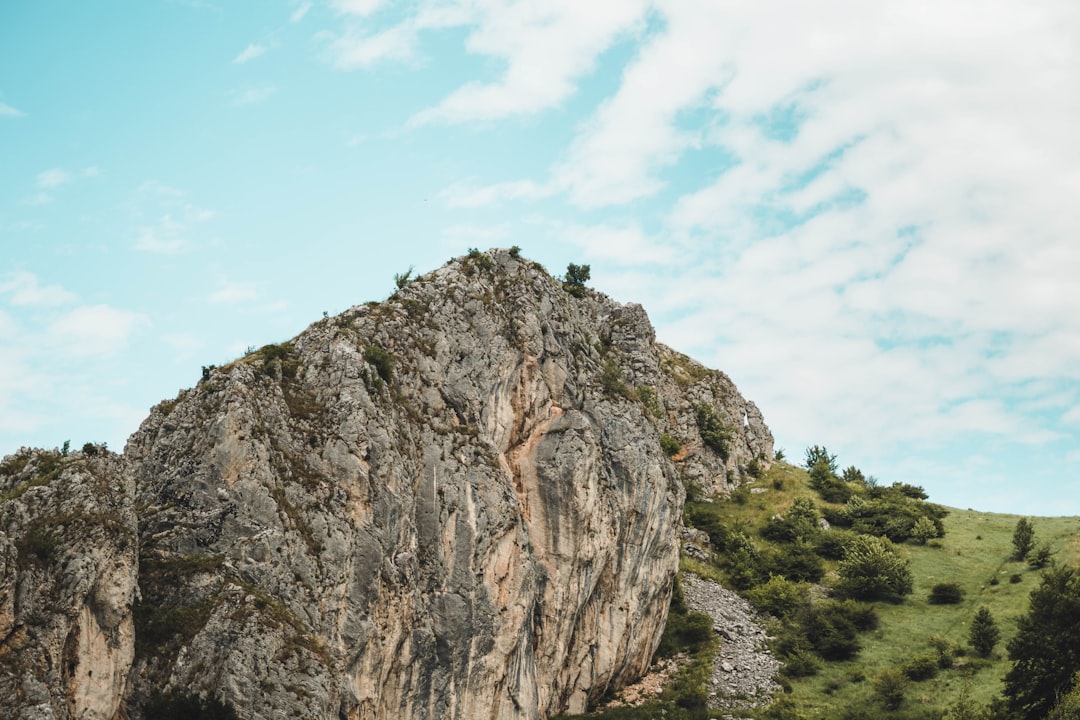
x: 452, y: 504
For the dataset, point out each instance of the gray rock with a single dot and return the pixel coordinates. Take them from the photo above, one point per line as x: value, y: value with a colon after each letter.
x: 452, y: 504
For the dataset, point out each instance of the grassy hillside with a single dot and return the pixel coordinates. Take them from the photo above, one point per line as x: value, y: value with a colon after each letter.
x: 975, y: 554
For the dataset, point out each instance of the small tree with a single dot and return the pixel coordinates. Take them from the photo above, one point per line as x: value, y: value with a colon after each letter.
x: 923, y: 530
x: 403, y: 279
x: 1023, y: 539
x: 818, y: 453
x: 872, y: 569
x: 984, y: 632
x: 576, y: 277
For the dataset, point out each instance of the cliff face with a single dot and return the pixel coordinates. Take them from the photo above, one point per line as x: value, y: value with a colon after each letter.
x: 453, y: 504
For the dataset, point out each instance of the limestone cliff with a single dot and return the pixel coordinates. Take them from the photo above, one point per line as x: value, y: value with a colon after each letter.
x: 452, y: 504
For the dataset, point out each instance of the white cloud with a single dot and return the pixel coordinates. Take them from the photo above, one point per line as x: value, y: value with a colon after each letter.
x: 91, y: 172
x: 8, y: 111
x: 360, y: 8
x: 185, y: 344
x: 53, y: 178
x: 624, y: 245
x: 38, y: 198
x: 95, y: 330
x: 356, y: 49
x: 165, y: 237
x: 299, y: 13
x: 231, y: 293
x: 253, y: 96
x: 547, y: 48
x: 466, y: 195
x: 174, y: 219
x: 25, y: 289
x: 249, y: 53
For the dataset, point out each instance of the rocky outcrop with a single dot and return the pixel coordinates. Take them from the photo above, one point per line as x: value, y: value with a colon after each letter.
x: 458, y: 503
x: 67, y: 584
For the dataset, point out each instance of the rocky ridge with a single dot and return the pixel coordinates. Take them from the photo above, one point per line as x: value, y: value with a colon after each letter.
x: 452, y: 504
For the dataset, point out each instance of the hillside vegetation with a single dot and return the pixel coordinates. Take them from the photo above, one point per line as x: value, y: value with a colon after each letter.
x: 852, y: 647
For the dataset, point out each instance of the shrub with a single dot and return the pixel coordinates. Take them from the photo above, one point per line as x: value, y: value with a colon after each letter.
x: 611, y: 378
x: 669, y: 445
x: 889, y: 689
x: 401, y: 280
x: 713, y: 432
x: 685, y: 632
x: 1040, y: 558
x: 946, y: 594
x: 833, y: 543
x: 872, y: 569
x: 753, y: 469
x: 515, y: 251
x: 39, y: 544
x: 922, y: 667
x: 797, y: 561
x: 1015, y: 578
x: 779, y: 597
x: 381, y: 360
x: 831, y: 630
x: 801, y: 663
x: 831, y: 488
x: 923, y: 530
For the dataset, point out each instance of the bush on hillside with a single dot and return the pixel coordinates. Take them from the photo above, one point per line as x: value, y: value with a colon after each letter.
x: 872, y: 569
x: 946, y: 594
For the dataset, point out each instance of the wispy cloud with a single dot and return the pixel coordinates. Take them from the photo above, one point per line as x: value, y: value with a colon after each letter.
x: 8, y: 111
x: 249, y: 53
x: 165, y: 237
x: 174, y: 219
x: 358, y: 49
x: 468, y: 195
x: 53, y: 178
x: 96, y: 329
x: 359, y: 8
x: 24, y: 288
x: 299, y: 13
x: 231, y: 293
x: 253, y: 96
x: 546, y: 49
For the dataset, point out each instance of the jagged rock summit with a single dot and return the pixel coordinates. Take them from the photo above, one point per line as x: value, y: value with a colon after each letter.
x: 462, y: 502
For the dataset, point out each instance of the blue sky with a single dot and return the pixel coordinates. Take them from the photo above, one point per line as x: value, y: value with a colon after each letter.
x: 865, y: 213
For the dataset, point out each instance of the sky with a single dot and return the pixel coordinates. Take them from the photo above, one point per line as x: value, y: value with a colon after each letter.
x: 865, y: 213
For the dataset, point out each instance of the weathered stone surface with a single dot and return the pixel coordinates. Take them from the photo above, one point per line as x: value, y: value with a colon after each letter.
x: 67, y: 581
x: 452, y: 504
